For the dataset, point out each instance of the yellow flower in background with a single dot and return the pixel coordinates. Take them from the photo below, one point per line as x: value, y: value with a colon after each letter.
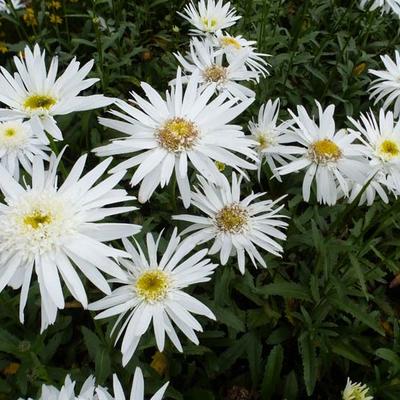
x: 29, y: 17
x: 55, y: 19
x: 356, y: 391
x: 359, y: 69
x: 54, y: 4
x: 159, y: 363
x: 3, y: 48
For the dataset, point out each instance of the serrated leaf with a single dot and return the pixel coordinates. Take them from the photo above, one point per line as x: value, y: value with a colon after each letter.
x: 272, y: 372
x: 309, y: 359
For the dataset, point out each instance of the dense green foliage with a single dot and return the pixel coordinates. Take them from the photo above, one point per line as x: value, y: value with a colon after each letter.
x: 323, y: 312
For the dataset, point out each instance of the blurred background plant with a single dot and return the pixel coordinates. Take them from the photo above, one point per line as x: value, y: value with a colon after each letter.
x: 329, y: 309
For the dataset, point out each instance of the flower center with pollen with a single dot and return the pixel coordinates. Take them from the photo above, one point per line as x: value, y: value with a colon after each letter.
x: 178, y: 134
x: 38, y: 101
x: 37, y: 219
x: 388, y: 149
x: 232, y: 218
x: 227, y: 41
x: 209, y: 23
x: 215, y: 73
x: 324, y: 151
x: 153, y: 285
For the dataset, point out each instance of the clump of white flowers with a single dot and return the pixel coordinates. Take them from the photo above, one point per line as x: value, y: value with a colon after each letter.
x: 356, y: 391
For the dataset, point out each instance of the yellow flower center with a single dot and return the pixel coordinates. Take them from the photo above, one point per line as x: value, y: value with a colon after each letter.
x: 153, y: 285
x: 230, y: 41
x: 10, y: 132
x: 37, y: 219
x: 209, y: 23
x: 178, y: 134
x: 220, y: 165
x: 324, y: 151
x: 38, y: 101
x: 389, y: 149
x: 215, y: 73
x: 232, y: 218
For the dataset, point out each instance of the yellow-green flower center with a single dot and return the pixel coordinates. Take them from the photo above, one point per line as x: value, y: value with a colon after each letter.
x: 324, y: 151
x: 178, y: 134
x: 230, y: 41
x: 37, y: 219
x: 10, y: 132
x: 153, y: 285
x: 215, y: 73
x: 209, y: 23
x: 232, y: 218
x: 39, y: 101
x: 389, y: 149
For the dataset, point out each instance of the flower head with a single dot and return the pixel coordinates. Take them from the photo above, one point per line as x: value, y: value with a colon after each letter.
x: 55, y: 230
x: 152, y: 292
x: 37, y: 94
x: 356, y: 391
x: 189, y: 128
x: 4, y: 7
x: 387, y: 6
x: 210, y: 17
x: 237, y: 226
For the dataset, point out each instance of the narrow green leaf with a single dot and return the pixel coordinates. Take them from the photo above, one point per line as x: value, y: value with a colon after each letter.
x: 272, y: 372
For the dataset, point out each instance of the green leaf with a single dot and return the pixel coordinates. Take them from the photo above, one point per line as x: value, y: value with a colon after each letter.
x: 309, y: 358
x: 288, y: 290
x: 272, y: 372
x: 350, y: 352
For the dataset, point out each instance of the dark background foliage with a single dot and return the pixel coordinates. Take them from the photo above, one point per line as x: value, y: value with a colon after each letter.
x: 327, y: 310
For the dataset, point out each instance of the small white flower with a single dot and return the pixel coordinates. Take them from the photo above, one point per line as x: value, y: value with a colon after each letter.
x: 388, y: 83
x: 329, y: 156
x: 37, y: 94
x: 237, y: 46
x: 236, y: 226
x: 189, y: 128
x: 378, y: 185
x: 4, y: 7
x: 214, y: 70
x: 356, y: 391
x: 55, y: 230
x: 382, y: 146
x: 137, y: 391
x: 272, y: 140
x: 151, y: 293
x: 210, y: 17
x: 18, y: 146
x: 387, y: 6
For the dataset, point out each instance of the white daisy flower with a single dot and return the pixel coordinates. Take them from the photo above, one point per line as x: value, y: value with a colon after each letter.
x: 55, y: 230
x: 237, y: 46
x: 236, y: 226
x: 37, y: 94
x: 137, y: 391
x: 272, y: 140
x: 209, y: 17
x: 213, y: 71
x: 151, y: 292
x: 356, y: 391
x: 388, y: 83
x: 190, y: 125
x: 329, y: 156
x: 382, y: 145
x: 387, y: 6
x: 4, y: 7
x: 18, y: 146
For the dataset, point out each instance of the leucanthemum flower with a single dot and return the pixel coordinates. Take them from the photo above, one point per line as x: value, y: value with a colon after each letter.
x: 238, y: 46
x: 152, y: 293
x: 330, y: 156
x: 4, y: 7
x: 236, y: 226
x: 213, y: 70
x: 18, y: 146
x: 382, y: 144
x: 388, y: 83
x: 386, y: 5
x: 209, y: 17
x: 356, y: 391
x: 190, y: 127
x: 137, y: 391
x: 37, y: 94
x: 271, y: 138
x: 55, y: 230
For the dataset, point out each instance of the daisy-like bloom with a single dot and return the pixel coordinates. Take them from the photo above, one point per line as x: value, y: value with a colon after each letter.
x: 17, y: 4
x: 18, y: 146
x: 56, y: 230
x: 151, y: 292
x: 187, y: 126
x: 212, y: 69
x: 377, y: 185
x: 37, y: 94
x: 236, y: 226
x: 237, y: 46
x: 209, y: 17
x: 387, y: 6
x: 382, y: 145
x: 356, y: 391
x: 137, y: 391
x: 272, y: 140
x: 329, y: 156
x: 388, y: 83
